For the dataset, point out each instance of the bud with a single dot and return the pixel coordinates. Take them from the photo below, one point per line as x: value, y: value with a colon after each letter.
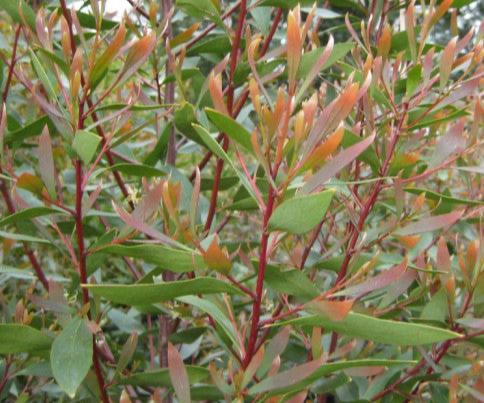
x: 299, y: 128
x: 215, y: 89
x: 254, y: 95
x: 75, y: 84
x: 294, y: 46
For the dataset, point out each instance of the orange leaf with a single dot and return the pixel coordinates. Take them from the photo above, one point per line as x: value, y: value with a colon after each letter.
x: 321, y: 152
x: 409, y: 241
x: 30, y: 182
x: 217, y: 258
x: 334, y: 310
x: 215, y: 88
x: 294, y: 45
x: 108, y: 55
x: 184, y: 36
x: 446, y: 61
x: 385, y: 42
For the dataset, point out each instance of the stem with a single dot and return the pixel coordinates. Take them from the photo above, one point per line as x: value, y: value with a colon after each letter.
x: 256, y: 307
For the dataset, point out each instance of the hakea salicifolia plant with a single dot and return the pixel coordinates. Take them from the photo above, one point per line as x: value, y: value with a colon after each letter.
x: 329, y: 175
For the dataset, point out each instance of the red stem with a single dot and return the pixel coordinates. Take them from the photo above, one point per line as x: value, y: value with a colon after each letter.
x: 256, y: 307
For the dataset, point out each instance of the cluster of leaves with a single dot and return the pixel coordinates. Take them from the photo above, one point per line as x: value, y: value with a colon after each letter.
x: 251, y: 201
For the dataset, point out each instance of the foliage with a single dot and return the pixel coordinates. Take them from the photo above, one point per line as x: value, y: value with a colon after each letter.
x: 241, y: 201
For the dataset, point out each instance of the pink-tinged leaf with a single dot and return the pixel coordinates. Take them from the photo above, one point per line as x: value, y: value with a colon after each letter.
x: 286, y: 378
x: 294, y: 45
x: 336, y: 164
x: 473, y: 323
x: 466, y: 89
x: 275, y: 348
x: 252, y: 367
x: 317, y: 67
x: 139, y: 225
x: 178, y: 375
x: 446, y: 61
x: 46, y: 162
x: 218, y: 380
x: 410, y: 29
x: 216, y: 93
x: 399, y: 287
x: 432, y: 223
x: 333, y: 310
x: 375, y: 283
x: 428, y: 64
x: 464, y: 41
x: 150, y: 203
x: 443, y: 256
x: 451, y: 142
x: 137, y: 55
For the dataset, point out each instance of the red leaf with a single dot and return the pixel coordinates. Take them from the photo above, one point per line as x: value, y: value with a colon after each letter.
x: 178, y: 375
x: 432, y: 223
x: 334, y: 310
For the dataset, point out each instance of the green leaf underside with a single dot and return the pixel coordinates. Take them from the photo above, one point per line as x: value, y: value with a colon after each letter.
x: 267, y: 385
x: 142, y: 294
x: 177, y: 260
x: 71, y: 356
x: 16, y: 338
x: 378, y: 330
x: 301, y: 213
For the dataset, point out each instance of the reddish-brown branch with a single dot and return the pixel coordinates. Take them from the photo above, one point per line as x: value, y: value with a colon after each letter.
x: 256, y: 307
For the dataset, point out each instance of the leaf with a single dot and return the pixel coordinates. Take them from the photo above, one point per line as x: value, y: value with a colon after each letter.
x: 139, y: 170
x: 332, y: 167
x: 252, y: 367
x: 127, y: 352
x: 85, y: 144
x: 178, y: 260
x: 333, y: 310
x: 12, y: 7
x: 309, y: 59
x: 46, y: 162
x: 286, y: 378
x: 161, y: 377
x: 22, y: 237
x: 291, y: 282
x: 446, y: 61
x: 301, y: 214
x: 28, y: 214
x: 71, y: 356
x: 102, y: 64
x: 178, y: 375
x: 437, y: 309
x: 383, y: 279
x: 431, y: 195
x: 275, y: 348
x: 414, y: 78
x: 142, y: 294
x: 432, y: 223
x: 137, y: 55
x: 232, y: 128
x: 18, y: 338
x: 216, y: 258
x: 31, y: 183
x: 217, y: 315
x: 215, y: 147
x: 378, y: 330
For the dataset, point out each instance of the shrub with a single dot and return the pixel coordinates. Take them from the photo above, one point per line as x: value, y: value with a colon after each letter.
x: 253, y: 201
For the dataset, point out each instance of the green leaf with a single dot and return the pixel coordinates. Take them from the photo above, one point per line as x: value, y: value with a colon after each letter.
x: 180, y: 261
x: 214, y: 311
x: 378, y: 330
x: 161, y: 377
x: 292, y: 282
x: 414, y: 77
x: 139, y: 170
x: 12, y: 8
x: 16, y: 338
x: 71, y: 356
x: 85, y: 144
x: 437, y: 308
x: 284, y: 381
x: 309, y: 59
x: 142, y: 294
x: 22, y: 237
x: 429, y: 194
x: 301, y: 213
x: 232, y: 128
x: 28, y: 214
x: 184, y: 119
x: 28, y: 130
x: 215, y: 147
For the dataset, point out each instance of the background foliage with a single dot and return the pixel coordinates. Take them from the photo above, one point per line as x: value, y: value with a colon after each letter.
x: 243, y: 201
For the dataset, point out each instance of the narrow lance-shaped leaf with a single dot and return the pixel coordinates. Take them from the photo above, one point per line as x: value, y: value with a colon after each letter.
x: 127, y: 352
x: 46, y: 162
x: 336, y: 164
x: 274, y: 348
x: 334, y: 310
x: 18, y: 338
x: 301, y: 213
x: 446, y: 61
x: 432, y: 223
x: 178, y: 375
x: 142, y: 294
x: 378, y: 330
x: 71, y: 356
